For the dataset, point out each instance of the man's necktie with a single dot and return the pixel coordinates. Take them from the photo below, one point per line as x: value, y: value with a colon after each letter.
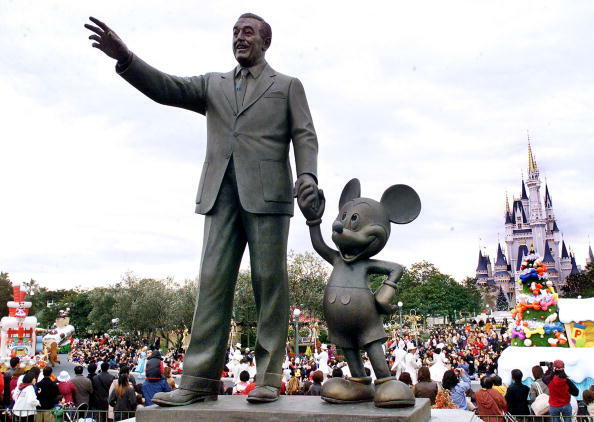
x: 241, y: 87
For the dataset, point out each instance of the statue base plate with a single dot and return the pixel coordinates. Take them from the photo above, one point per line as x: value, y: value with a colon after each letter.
x: 286, y: 409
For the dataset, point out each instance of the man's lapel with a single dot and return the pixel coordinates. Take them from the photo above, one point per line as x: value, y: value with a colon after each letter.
x: 264, y: 82
x: 228, y: 84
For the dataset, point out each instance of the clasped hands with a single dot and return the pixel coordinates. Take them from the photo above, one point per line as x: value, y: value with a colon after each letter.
x: 310, y: 199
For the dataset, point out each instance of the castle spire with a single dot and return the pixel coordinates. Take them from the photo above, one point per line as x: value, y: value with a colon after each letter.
x: 532, y: 167
x: 564, y: 253
x: 524, y: 194
x: 548, y: 200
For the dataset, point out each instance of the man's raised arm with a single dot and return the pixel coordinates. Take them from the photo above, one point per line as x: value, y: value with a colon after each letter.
x: 188, y: 93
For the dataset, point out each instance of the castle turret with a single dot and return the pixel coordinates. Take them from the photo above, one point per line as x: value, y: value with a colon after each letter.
x: 536, y: 217
x: 574, y: 267
x: 565, y: 262
x: 590, y: 258
x: 549, y: 261
x: 482, y: 273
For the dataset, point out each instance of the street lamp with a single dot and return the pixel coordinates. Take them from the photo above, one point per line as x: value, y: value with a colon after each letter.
x: 296, y: 313
x: 400, y: 311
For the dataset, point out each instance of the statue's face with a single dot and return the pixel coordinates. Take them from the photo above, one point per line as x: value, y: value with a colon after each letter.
x: 248, y: 45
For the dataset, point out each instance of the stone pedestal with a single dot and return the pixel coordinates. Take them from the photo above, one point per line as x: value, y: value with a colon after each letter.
x: 286, y: 409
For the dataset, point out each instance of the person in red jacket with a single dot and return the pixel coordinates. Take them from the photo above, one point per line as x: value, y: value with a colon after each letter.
x: 561, y: 389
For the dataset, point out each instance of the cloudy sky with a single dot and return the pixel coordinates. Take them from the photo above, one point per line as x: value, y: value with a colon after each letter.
x: 96, y: 180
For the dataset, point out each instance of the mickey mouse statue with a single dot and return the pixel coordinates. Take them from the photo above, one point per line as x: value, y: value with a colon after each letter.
x: 352, y: 311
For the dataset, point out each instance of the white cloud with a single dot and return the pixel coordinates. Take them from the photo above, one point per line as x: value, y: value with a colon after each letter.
x: 96, y: 180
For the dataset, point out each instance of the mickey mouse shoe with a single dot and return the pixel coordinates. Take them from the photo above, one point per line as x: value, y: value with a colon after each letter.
x: 390, y: 392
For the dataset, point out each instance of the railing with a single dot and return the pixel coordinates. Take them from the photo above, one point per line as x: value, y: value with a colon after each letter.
x: 65, y: 415
x: 531, y: 418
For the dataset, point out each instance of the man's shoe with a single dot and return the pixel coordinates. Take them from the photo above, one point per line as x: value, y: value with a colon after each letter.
x: 353, y: 390
x: 263, y: 394
x: 390, y: 392
x: 182, y: 397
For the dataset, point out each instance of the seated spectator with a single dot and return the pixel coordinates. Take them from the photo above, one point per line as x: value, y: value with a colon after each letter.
x: 244, y: 381
x: 425, y: 388
x: 490, y: 403
x: 169, y: 377
x: 293, y: 386
x: 316, y: 388
x: 516, y: 396
x: 458, y: 383
x: 337, y: 373
x: 406, y: 378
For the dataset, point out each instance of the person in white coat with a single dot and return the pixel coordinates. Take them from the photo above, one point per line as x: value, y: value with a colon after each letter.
x: 439, y: 366
x: 412, y: 362
x: 25, y: 400
x: 322, y: 360
x: 399, y: 355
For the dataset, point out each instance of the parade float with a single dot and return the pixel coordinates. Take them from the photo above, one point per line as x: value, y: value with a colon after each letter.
x: 18, y: 330
x: 547, y: 328
x: 58, y: 340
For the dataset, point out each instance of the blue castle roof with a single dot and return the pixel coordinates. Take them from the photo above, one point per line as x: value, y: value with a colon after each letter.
x: 522, y: 252
x: 564, y: 253
x: 519, y: 207
x: 548, y: 258
x: 524, y: 196
x: 482, y: 263
x: 500, y: 257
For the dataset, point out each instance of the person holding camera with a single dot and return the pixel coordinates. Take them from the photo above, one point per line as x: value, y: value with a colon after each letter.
x: 561, y: 388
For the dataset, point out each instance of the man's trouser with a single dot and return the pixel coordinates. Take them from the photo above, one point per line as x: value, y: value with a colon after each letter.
x: 227, y: 229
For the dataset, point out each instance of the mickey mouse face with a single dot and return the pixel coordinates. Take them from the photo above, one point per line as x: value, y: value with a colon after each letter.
x: 361, y: 229
x: 362, y: 226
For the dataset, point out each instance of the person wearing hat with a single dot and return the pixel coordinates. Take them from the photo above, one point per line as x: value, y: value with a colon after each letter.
x: 561, y: 388
x: 66, y: 387
x: 412, y: 363
x: 322, y: 359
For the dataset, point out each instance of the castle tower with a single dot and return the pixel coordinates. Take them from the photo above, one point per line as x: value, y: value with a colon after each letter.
x: 565, y: 263
x: 549, y: 261
x: 482, y: 273
x: 590, y: 258
x: 529, y: 222
x: 502, y: 275
x: 536, y: 216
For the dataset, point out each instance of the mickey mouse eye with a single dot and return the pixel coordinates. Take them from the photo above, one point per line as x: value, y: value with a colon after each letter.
x: 355, y: 218
x: 344, y: 215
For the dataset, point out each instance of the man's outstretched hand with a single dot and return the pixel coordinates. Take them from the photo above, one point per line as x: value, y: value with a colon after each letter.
x: 107, y: 40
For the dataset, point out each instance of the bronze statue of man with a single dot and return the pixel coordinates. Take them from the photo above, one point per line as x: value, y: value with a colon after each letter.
x: 246, y: 194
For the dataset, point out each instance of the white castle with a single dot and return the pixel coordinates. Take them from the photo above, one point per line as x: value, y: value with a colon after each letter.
x: 528, y: 224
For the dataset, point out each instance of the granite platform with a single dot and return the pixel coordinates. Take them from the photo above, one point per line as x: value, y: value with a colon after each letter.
x: 286, y: 409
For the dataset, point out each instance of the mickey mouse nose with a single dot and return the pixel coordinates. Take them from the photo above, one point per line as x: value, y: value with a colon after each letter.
x: 337, y: 226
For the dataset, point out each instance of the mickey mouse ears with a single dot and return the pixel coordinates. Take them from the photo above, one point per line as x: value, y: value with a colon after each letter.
x: 351, y: 191
x: 402, y: 203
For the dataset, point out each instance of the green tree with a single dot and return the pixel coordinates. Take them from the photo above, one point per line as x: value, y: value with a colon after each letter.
x: 502, y: 303
x: 5, y: 293
x: 103, y: 301
x: 580, y: 284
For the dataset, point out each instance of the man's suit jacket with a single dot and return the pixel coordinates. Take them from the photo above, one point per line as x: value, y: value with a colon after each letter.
x: 257, y: 135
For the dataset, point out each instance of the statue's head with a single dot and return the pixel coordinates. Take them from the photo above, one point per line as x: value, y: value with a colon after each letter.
x: 252, y: 36
x: 362, y: 226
